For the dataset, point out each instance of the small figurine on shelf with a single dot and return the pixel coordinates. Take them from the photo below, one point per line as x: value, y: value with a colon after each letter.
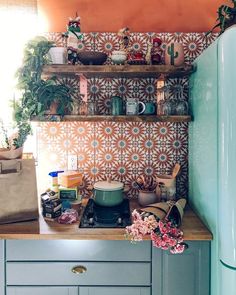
x: 124, y: 33
x: 156, y: 52
x: 74, y: 37
x: 148, y: 56
x: 136, y: 58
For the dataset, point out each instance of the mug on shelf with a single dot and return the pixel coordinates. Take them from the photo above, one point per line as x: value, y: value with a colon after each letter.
x: 150, y: 108
x: 133, y: 107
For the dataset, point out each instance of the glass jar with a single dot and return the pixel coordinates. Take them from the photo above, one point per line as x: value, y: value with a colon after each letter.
x: 181, y: 108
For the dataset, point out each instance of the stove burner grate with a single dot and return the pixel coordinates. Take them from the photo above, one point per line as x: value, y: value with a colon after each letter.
x: 96, y: 216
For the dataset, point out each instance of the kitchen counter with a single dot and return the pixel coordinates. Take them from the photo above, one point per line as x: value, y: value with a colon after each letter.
x: 192, y: 226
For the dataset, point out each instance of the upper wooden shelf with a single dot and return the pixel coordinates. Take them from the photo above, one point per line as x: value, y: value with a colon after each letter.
x: 99, y: 118
x: 119, y: 71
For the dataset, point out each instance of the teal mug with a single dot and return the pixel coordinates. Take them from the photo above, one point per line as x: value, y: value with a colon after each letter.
x: 150, y: 108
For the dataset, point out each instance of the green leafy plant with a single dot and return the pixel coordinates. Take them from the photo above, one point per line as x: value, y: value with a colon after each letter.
x: 37, y: 94
x: 226, y: 17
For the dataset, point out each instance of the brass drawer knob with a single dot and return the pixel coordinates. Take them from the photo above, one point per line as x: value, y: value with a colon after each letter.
x: 78, y: 269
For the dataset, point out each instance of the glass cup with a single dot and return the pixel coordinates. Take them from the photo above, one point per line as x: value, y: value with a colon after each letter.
x: 181, y: 108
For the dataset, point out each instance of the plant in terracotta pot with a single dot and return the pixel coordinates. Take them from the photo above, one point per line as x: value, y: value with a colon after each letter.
x: 226, y: 17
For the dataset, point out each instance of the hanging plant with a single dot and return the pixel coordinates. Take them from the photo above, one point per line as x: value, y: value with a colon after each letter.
x: 37, y: 95
x: 226, y: 17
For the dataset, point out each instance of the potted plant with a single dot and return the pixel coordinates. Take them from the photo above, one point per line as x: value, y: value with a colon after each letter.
x: 226, y: 17
x: 37, y: 94
x: 11, y: 146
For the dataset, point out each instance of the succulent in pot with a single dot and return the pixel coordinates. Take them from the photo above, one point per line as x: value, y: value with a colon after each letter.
x: 108, y: 193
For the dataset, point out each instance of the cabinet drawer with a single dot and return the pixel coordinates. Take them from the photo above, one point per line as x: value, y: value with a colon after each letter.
x: 71, y: 250
x: 60, y: 273
x: 114, y: 291
x: 42, y: 291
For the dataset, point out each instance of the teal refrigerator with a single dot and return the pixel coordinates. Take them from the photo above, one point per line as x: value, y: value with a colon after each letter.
x: 212, y: 155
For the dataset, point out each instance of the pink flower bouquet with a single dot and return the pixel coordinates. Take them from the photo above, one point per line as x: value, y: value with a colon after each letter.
x: 163, y: 232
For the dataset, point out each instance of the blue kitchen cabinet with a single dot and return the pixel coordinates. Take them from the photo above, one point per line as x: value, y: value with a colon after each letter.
x: 42, y: 291
x: 110, y: 267
x: 2, y: 268
x: 114, y: 291
x: 182, y: 274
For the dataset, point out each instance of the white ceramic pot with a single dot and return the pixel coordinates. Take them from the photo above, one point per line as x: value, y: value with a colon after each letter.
x: 118, y: 57
x: 57, y: 55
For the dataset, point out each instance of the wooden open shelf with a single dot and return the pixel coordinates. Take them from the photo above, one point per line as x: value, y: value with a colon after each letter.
x: 119, y: 71
x: 96, y: 118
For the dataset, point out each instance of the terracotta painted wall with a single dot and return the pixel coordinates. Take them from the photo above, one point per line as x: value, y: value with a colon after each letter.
x: 138, y: 15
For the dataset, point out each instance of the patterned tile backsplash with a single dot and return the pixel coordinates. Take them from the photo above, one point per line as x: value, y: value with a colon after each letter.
x: 124, y: 150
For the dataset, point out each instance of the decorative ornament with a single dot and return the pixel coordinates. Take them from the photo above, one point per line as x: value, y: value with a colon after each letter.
x: 174, y: 54
x: 74, y: 37
x: 156, y: 52
x: 124, y: 34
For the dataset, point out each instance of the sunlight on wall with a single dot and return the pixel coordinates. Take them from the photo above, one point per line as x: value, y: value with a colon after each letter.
x: 18, y: 23
x: 16, y: 27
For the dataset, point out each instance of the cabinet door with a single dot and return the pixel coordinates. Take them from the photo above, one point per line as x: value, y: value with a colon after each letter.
x: 2, y: 271
x: 114, y: 291
x: 42, y: 291
x: 186, y: 273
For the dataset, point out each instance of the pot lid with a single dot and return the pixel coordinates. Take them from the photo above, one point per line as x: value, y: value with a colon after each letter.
x: 108, y: 185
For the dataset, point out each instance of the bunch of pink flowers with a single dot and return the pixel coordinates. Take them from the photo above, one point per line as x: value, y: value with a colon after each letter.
x: 164, y: 234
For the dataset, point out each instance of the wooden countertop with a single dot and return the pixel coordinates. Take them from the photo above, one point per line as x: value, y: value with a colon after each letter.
x: 192, y: 226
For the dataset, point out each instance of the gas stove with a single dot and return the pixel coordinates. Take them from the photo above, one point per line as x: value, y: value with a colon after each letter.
x: 96, y: 216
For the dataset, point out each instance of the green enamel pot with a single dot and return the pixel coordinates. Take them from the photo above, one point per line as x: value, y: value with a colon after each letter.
x: 108, y: 193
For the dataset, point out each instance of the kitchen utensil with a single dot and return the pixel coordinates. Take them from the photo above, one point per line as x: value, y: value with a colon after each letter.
x: 146, y: 183
x: 108, y: 193
x: 175, y: 170
x: 92, y: 57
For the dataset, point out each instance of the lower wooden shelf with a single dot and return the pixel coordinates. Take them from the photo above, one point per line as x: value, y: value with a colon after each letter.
x: 99, y: 118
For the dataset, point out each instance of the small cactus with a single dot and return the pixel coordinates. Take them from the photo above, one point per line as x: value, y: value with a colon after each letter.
x: 170, y: 50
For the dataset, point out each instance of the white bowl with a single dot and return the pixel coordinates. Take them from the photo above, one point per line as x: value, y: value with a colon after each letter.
x: 118, y: 57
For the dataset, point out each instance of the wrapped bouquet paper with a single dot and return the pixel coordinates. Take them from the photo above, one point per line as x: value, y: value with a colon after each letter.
x: 161, y: 222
